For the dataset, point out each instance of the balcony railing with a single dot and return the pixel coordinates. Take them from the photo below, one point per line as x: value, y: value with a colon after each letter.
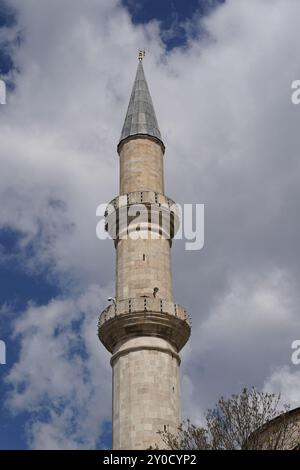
x: 143, y: 305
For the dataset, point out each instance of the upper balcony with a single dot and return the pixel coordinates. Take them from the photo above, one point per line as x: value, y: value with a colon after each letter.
x: 143, y: 212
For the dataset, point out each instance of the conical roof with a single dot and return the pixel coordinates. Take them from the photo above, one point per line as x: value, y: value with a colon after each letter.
x: 140, y: 117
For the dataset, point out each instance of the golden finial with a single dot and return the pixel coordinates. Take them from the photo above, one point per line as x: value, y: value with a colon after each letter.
x: 141, y: 54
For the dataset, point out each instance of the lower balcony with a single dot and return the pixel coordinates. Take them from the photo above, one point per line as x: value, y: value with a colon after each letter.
x: 144, y: 316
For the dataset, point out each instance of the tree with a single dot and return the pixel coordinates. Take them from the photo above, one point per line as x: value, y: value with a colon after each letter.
x: 248, y: 421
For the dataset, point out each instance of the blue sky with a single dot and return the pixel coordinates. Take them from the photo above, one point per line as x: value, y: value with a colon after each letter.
x: 7, y: 19
x: 223, y: 140
x: 18, y: 286
x: 172, y: 16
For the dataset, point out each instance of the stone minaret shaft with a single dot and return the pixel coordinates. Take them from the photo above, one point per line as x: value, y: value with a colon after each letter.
x: 143, y: 329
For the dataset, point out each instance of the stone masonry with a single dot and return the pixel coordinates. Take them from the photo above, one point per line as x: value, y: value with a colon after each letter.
x: 143, y: 329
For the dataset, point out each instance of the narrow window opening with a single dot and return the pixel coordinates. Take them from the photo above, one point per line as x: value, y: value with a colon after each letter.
x: 144, y: 257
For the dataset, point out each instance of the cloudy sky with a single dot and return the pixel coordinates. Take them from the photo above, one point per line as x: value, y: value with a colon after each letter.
x: 220, y: 75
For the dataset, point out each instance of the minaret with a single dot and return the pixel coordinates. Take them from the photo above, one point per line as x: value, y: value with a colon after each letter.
x: 143, y: 329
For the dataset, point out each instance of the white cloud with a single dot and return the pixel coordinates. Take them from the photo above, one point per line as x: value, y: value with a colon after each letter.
x: 286, y: 382
x: 62, y: 376
x: 248, y: 332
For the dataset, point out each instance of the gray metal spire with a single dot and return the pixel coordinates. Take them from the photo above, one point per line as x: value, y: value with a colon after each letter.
x: 140, y: 118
